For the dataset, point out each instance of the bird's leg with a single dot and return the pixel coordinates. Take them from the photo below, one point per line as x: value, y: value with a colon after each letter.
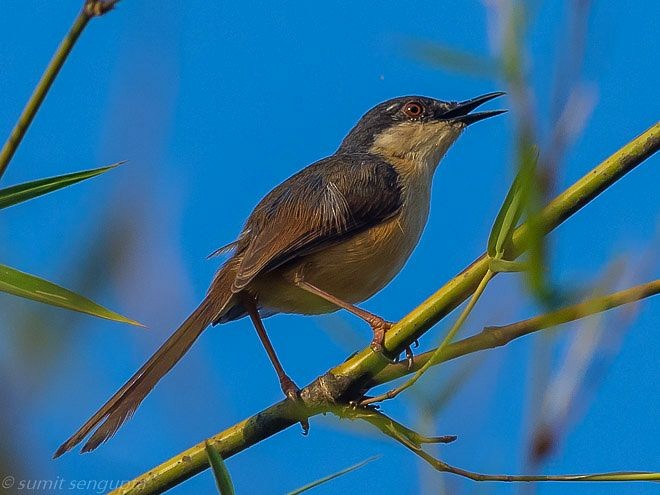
x: 377, y: 324
x: 288, y: 387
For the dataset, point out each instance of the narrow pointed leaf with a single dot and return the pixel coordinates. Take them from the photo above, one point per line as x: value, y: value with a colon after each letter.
x: 220, y: 471
x: 22, y: 192
x: 506, y: 220
x: 331, y: 477
x: 515, y: 203
x: 30, y: 287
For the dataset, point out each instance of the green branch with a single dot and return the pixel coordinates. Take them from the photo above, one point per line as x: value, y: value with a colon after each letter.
x: 349, y: 379
x: 91, y: 8
x: 492, y: 337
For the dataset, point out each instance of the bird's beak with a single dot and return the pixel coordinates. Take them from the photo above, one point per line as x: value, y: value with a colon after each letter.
x: 460, y: 112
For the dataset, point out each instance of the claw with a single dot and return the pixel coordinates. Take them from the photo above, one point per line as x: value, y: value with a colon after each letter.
x: 409, y: 357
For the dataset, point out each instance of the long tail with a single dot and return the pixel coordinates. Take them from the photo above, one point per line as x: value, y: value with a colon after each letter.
x: 126, y: 400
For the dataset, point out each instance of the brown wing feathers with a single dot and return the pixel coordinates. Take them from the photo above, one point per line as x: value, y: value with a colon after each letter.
x: 318, y: 207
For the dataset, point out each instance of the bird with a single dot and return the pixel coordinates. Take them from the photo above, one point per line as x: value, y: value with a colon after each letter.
x: 327, y: 238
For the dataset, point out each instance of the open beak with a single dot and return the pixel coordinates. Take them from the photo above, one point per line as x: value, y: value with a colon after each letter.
x: 460, y: 112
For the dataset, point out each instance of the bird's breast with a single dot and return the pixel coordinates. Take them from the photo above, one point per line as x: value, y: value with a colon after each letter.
x: 354, y: 269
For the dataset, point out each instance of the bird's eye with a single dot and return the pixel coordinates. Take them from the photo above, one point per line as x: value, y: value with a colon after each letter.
x: 413, y: 109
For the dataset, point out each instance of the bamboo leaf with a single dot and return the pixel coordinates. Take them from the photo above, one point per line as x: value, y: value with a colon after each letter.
x: 532, y: 186
x: 331, y: 477
x: 30, y: 287
x: 220, y: 471
x: 22, y: 192
x: 506, y: 220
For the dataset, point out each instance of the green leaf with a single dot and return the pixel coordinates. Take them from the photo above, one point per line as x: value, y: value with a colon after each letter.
x: 333, y: 476
x: 506, y: 220
x: 520, y: 198
x: 22, y: 192
x: 222, y: 478
x: 30, y: 287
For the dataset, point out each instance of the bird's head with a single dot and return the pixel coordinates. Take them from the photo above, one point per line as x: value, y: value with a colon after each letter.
x: 417, y: 129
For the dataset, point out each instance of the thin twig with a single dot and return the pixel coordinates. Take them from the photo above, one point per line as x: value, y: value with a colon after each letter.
x: 415, y: 442
x: 96, y: 8
x: 609, y: 476
x: 389, y: 426
x: 91, y: 8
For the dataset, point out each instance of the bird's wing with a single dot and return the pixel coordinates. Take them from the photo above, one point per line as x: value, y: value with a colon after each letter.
x: 320, y: 206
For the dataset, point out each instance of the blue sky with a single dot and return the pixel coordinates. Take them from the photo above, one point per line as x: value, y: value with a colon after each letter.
x: 213, y: 104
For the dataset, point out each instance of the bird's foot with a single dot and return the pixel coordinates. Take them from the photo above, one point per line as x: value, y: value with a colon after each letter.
x: 379, y: 326
x: 289, y: 388
x: 292, y: 393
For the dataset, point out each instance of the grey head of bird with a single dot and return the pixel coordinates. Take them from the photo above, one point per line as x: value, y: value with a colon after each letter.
x: 415, y: 129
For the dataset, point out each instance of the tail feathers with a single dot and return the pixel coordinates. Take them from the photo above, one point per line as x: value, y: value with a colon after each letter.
x: 123, y: 404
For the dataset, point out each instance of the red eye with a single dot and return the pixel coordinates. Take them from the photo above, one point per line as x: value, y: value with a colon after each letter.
x: 413, y: 109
